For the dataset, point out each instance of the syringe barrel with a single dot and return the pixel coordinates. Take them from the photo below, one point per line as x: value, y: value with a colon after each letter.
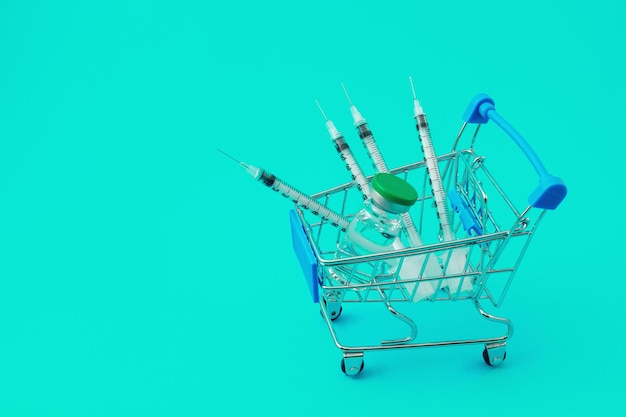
x: 379, y: 164
x: 422, y: 122
x: 423, y: 131
x: 344, y: 151
x: 372, y: 148
x: 363, y: 130
x: 272, y: 181
x: 411, y: 232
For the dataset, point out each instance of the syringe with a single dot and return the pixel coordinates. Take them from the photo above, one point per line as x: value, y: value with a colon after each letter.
x: 411, y: 265
x: 457, y: 258
x: 344, y: 151
x: 423, y: 132
x: 366, y: 136
x: 379, y: 164
x: 270, y: 180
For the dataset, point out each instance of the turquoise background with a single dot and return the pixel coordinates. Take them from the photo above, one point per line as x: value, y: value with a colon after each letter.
x: 142, y: 273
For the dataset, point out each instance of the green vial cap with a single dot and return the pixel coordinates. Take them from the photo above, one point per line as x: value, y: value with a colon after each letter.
x: 394, y: 189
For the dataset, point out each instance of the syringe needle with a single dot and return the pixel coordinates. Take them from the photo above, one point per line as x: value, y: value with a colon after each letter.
x: 252, y: 170
x: 412, y: 87
x: 417, y: 107
x: 231, y: 157
x: 330, y: 126
x: 356, y: 116
x: 347, y: 95
x: 321, y: 110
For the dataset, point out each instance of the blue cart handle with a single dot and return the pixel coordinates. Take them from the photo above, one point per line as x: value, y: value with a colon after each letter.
x: 551, y: 189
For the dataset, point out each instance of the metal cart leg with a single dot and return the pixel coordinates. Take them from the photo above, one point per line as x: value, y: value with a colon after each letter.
x: 404, y: 319
x: 495, y: 351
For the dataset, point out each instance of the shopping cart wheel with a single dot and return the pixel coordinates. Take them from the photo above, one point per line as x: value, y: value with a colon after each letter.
x: 332, y: 311
x: 352, y: 364
x: 494, y: 355
x: 334, y: 315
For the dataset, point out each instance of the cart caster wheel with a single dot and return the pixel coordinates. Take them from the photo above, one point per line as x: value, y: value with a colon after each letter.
x: 352, y: 365
x: 494, y: 356
x: 333, y: 314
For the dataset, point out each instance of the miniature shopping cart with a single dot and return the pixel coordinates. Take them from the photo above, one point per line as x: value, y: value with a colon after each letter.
x: 491, y: 234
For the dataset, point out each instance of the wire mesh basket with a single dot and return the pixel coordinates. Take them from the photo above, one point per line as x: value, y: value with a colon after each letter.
x: 491, y: 236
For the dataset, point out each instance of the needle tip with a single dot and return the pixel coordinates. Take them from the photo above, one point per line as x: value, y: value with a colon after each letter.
x: 412, y: 88
x: 229, y: 156
x: 346, y: 93
x: 319, y: 106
